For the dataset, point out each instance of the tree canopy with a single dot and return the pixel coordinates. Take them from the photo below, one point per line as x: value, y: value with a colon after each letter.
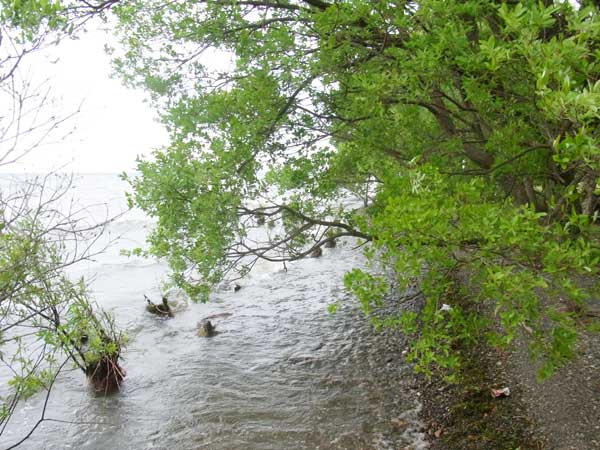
x: 467, y: 128
x: 457, y: 138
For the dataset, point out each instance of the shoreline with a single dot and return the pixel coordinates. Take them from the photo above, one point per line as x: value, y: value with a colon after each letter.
x: 561, y: 413
x: 465, y: 416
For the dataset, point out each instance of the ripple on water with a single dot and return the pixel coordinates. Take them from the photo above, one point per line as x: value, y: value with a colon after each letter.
x: 283, y: 374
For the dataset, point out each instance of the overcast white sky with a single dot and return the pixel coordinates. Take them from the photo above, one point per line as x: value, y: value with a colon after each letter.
x: 114, y: 125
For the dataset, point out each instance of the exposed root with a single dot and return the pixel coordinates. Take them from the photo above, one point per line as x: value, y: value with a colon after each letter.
x: 105, y: 375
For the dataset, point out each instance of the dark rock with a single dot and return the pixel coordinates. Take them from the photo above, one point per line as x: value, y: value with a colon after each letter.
x: 316, y: 253
x: 331, y: 243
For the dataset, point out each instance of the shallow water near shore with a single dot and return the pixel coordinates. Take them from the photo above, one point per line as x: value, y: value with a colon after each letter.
x: 282, y: 373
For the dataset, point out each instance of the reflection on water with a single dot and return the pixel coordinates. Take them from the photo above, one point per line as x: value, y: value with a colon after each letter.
x: 282, y: 373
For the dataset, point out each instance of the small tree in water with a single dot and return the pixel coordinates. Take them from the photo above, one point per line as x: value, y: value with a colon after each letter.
x: 47, y: 320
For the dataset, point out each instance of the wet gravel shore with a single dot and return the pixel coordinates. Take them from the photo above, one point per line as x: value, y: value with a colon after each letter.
x: 562, y: 413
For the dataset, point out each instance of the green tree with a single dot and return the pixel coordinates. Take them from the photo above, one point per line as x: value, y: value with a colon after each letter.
x: 458, y: 138
x: 467, y: 128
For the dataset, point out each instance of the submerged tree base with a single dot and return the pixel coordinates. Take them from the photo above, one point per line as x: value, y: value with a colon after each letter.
x: 105, y: 375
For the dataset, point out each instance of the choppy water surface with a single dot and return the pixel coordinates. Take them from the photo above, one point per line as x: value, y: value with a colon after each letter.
x: 282, y: 373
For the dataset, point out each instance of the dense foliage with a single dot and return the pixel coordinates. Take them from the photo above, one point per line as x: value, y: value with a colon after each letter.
x: 458, y: 138
x: 468, y: 129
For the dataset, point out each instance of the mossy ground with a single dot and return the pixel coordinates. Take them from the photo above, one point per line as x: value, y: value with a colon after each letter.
x: 465, y: 416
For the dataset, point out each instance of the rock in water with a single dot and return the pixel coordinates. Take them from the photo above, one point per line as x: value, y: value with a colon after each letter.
x: 330, y: 244
x: 206, y: 329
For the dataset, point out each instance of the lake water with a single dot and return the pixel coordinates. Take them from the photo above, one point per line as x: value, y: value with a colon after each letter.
x: 282, y: 374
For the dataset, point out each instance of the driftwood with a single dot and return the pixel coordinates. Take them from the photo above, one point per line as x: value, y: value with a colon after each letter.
x: 217, y: 316
x: 206, y: 329
x: 160, y: 310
